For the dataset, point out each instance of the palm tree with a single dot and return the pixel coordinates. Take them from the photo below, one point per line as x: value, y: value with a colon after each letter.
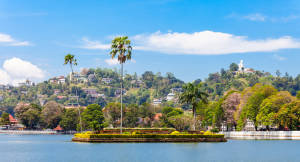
x: 121, y: 46
x: 192, y: 94
x: 69, y: 59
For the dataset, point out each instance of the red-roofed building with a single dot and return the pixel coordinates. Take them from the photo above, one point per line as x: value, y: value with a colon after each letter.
x: 12, y: 120
x: 58, y: 128
x: 61, y: 97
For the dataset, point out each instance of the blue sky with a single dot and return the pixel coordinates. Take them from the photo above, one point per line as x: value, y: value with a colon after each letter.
x: 188, y: 38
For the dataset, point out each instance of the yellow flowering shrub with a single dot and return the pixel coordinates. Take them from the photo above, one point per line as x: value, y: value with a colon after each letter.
x: 208, y: 133
x: 175, y: 133
x: 136, y: 132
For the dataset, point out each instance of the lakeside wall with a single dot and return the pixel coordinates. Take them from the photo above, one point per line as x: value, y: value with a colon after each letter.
x: 26, y: 132
x: 284, y: 135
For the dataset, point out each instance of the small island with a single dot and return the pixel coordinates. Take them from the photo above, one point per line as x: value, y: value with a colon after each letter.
x: 148, y: 135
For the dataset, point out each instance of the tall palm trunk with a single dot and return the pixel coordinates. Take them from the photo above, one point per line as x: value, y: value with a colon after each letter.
x: 121, y: 96
x: 77, y: 99
x: 194, y: 114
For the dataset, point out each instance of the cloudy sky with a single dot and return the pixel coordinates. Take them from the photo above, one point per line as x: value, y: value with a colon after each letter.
x: 188, y: 38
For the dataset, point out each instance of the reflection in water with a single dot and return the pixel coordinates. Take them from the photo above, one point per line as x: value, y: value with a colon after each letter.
x: 59, y: 148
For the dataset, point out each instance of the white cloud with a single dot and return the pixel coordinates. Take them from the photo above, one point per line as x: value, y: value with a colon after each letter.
x: 94, y: 44
x: 169, y: 31
x: 209, y: 43
x: 276, y: 57
x: 97, y: 60
x: 7, y: 40
x: 255, y: 17
x: 17, y: 70
x: 116, y: 62
x: 291, y: 17
x: 203, y: 43
x: 4, y: 77
x: 133, y: 61
x: 112, y: 61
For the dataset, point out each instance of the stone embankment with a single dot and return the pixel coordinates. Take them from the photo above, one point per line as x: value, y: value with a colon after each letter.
x: 110, y: 140
x: 276, y: 135
x: 26, y: 132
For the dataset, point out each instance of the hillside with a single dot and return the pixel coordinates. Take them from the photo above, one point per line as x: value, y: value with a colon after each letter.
x: 139, y: 89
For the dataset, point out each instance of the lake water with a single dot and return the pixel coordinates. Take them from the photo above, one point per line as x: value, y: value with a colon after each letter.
x: 59, y: 148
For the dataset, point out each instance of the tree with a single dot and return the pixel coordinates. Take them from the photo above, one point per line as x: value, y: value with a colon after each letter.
x: 69, y: 59
x: 121, y: 46
x: 289, y: 115
x: 181, y: 121
x: 230, y: 106
x: 101, y: 101
x: 92, y: 113
x: 278, y: 73
x: 5, y: 119
x: 33, y: 117
x: 233, y: 67
x: 52, y: 114
x: 114, y: 110
x: 69, y: 120
x: 27, y: 118
x: 192, y: 94
x: 94, y: 125
x: 166, y: 110
x: 131, y: 117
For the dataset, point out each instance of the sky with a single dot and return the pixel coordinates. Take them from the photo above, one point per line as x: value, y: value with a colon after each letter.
x: 188, y: 38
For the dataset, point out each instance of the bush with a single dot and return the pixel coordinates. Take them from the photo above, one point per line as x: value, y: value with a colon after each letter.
x: 175, y: 133
x: 78, y: 135
x: 207, y: 133
x: 185, y: 132
x: 126, y: 133
x: 156, y: 136
x: 133, y: 129
x: 215, y: 130
x: 88, y: 132
x: 136, y: 132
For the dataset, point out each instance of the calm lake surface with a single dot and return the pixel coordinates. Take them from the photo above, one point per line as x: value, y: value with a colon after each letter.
x: 59, y: 148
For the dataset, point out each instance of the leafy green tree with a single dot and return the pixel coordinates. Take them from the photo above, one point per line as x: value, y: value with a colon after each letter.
x: 69, y: 120
x: 94, y: 125
x: 233, y: 67
x: 92, y: 112
x: 122, y: 47
x: 101, y: 101
x: 33, y: 117
x: 166, y: 110
x: 289, y: 115
x: 131, y: 117
x: 5, y: 119
x: 193, y: 94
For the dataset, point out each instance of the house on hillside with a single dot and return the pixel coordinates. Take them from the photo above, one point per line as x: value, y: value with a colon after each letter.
x: 56, y: 92
x: 118, y: 92
x: 136, y: 82
x: 173, y: 90
x: 61, y: 97
x: 73, y: 97
x: 107, y: 80
x: 157, y: 101
x: 170, y: 96
x: 90, y: 90
x: 91, y: 77
x: 1, y: 98
x: 77, y: 76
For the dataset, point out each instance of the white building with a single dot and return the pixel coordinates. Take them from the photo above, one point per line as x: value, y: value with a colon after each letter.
x: 62, y: 81
x: 157, y: 101
x: 170, y: 96
x: 76, y: 76
x: 107, y: 80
